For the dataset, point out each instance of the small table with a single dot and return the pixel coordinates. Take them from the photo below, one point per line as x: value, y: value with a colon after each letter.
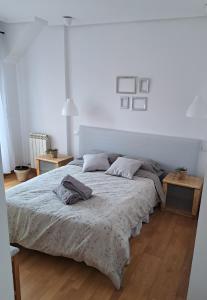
x: 192, y: 182
x: 51, y: 163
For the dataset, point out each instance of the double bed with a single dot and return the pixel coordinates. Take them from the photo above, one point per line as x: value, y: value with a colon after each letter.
x: 96, y: 231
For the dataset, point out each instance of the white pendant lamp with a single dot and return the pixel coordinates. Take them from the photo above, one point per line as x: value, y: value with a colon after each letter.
x: 69, y: 108
x: 197, y: 109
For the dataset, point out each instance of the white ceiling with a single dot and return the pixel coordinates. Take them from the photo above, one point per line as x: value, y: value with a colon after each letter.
x: 99, y: 11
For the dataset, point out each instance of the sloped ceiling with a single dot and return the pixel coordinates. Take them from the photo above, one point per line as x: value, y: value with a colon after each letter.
x: 99, y: 11
x: 24, y: 39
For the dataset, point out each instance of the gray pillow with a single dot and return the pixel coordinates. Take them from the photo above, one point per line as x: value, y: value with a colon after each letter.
x: 95, y: 162
x: 112, y: 156
x: 124, y: 167
x: 76, y: 162
x: 148, y: 164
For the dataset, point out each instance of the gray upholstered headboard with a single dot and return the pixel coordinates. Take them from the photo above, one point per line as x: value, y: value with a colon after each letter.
x: 171, y: 152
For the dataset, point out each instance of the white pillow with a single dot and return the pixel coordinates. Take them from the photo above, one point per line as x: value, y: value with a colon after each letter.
x: 95, y: 162
x: 124, y: 167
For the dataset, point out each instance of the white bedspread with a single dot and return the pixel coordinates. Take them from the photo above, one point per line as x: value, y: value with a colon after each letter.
x: 95, y: 231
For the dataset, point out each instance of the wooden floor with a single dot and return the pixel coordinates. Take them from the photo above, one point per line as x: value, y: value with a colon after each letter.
x: 159, y: 268
x: 10, y: 179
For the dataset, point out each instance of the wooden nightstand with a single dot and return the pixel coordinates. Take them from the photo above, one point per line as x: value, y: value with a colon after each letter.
x: 45, y: 163
x: 191, y: 182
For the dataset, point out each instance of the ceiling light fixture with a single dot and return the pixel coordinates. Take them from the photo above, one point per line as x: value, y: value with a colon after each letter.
x: 69, y: 109
x: 67, y: 20
x: 197, y: 109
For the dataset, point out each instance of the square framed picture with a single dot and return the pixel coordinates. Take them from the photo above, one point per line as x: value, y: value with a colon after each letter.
x: 144, y: 85
x: 126, y: 85
x: 139, y: 103
x: 125, y: 102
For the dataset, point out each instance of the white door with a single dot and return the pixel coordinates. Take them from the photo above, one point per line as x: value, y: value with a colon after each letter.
x: 198, y: 279
x: 6, y: 280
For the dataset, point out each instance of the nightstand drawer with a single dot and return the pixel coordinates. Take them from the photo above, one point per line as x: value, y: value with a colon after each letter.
x: 46, y: 167
x: 180, y: 198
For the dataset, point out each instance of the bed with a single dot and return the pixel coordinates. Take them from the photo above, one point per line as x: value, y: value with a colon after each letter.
x: 96, y: 231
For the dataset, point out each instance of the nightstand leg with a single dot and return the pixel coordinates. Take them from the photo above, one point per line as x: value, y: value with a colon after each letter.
x: 16, y: 280
x: 196, y: 202
x: 165, y: 191
x: 38, y: 166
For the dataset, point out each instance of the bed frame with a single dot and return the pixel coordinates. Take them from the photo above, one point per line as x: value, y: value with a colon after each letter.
x: 170, y: 151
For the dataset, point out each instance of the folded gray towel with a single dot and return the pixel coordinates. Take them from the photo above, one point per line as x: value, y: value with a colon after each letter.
x: 70, y: 191
x: 68, y: 197
x: 73, y: 184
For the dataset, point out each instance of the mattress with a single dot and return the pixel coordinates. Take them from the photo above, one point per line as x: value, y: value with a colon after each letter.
x: 95, y: 231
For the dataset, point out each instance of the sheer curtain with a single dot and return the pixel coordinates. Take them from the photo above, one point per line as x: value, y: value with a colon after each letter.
x: 5, y: 138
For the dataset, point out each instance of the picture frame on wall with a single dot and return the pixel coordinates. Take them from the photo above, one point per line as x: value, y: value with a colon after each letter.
x: 124, y: 102
x: 139, y: 103
x: 144, y: 85
x: 126, y: 85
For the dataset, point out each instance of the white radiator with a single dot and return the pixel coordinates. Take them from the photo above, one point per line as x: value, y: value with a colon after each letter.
x: 39, y: 143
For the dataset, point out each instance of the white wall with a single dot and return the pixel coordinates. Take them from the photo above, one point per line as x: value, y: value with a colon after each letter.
x: 198, y: 286
x: 6, y: 282
x: 171, y: 53
x: 42, y: 89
